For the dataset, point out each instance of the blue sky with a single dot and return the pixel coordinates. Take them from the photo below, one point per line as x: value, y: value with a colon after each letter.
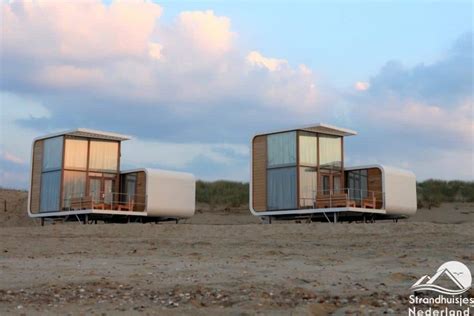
x: 193, y: 81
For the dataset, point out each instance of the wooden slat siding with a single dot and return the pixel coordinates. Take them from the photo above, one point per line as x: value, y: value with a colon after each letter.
x: 36, y: 176
x: 259, y: 173
x: 374, y: 183
x: 140, y: 191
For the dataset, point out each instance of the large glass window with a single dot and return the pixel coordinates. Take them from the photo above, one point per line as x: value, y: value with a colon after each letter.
x: 129, y: 183
x: 358, y: 184
x: 75, y: 154
x: 74, y: 186
x: 52, y: 153
x: 308, y: 186
x: 281, y: 188
x: 330, y: 152
x: 50, y: 187
x: 308, y: 148
x: 103, y: 156
x: 281, y: 149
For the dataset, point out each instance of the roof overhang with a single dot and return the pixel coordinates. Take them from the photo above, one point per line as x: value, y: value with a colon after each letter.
x: 318, y: 128
x: 88, y: 133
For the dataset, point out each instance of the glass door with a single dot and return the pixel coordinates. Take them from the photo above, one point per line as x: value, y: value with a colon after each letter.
x: 95, y: 186
x: 331, y: 182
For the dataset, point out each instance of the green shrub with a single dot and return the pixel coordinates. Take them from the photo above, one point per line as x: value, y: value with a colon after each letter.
x: 224, y: 193
x: 431, y: 193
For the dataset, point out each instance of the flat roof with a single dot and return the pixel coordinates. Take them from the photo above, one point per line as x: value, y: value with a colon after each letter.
x: 318, y: 128
x: 88, y: 133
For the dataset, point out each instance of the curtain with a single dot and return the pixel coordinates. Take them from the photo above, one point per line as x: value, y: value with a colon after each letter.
x: 281, y: 149
x: 103, y: 156
x: 308, y: 149
x: 74, y: 186
x: 308, y: 186
x: 330, y: 151
x: 52, y: 153
x: 281, y: 186
x: 75, y: 154
x: 50, y: 187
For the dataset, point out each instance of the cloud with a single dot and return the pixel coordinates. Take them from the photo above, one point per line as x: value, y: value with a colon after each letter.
x: 272, y: 64
x: 180, y: 155
x: 208, y: 32
x: 186, y: 86
x: 361, y: 86
x: 12, y: 158
x: 111, y: 52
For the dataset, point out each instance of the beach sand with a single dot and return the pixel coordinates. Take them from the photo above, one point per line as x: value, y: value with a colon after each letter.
x: 226, y: 262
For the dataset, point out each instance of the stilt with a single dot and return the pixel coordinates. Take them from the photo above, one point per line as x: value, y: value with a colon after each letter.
x: 42, y: 221
x: 86, y: 219
x: 335, y: 217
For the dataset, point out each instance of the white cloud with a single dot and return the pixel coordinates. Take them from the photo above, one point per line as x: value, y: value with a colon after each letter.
x: 272, y: 64
x: 181, y: 155
x: 154, y: 50
x: 110, y: 51
x: 361, y: 86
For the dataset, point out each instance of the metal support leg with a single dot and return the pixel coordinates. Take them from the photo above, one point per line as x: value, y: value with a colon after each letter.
x: 86, y: 219
x: 42, y: 221
x: 327, y: 218
x: 335, y: 217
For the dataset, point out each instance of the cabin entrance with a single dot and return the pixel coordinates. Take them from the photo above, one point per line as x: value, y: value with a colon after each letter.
x: 331, y: 182
x: 101, y: 188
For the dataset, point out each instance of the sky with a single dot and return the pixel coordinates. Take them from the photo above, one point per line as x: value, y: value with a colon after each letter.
x: 191, y: 82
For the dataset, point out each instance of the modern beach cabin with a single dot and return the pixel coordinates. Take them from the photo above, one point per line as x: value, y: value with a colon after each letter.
x: 301, y: 173
x: 76, y: 175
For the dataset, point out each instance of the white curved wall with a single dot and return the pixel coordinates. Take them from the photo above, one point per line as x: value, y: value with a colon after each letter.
x: 400, y: 191
x: 170, y: 193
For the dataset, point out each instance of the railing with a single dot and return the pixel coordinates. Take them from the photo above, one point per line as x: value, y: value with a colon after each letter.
x: 106, y: 201
x: 346, y: 197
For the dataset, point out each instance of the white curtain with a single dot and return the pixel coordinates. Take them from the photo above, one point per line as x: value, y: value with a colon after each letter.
x: 52, y: 153
x: 281, y: 188
x: 50, y: 187
x: 103, y: 156
x: 281, y: 149
x: 308, y: 185
x: 75, y: 155
x: 308, y: 149
x: 74, y: 186
x: 330, y: 151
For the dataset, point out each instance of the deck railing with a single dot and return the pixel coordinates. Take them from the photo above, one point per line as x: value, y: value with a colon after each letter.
x: 345, y: 197
x: 106, y: 201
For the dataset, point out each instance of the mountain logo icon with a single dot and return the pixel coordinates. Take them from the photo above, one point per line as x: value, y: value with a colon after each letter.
x: 455, y: 271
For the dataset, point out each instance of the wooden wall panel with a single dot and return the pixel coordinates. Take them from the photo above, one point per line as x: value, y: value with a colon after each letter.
x: 375, y: 184
x: 259, y: 173
x: 140, y: 191
x: 36, y: 176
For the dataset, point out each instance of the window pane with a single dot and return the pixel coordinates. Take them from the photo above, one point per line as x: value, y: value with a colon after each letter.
x: 281, y: 188
x: 330, y: 154
x: 74, y: 186
x: 308, y: 148
x: 308, y: 186
x: 103, y: 156
x: 50, y: 187
x: 129, y: 182
x: 281, y: 149
x: 52, y: 153
x: 75, y: 155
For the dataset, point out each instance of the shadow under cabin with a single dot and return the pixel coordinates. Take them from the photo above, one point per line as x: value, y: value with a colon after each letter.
x: 76, y: 175
x: 300, y: 173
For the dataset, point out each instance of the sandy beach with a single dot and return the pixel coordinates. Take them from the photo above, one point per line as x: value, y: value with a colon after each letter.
x: 226, y: 262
